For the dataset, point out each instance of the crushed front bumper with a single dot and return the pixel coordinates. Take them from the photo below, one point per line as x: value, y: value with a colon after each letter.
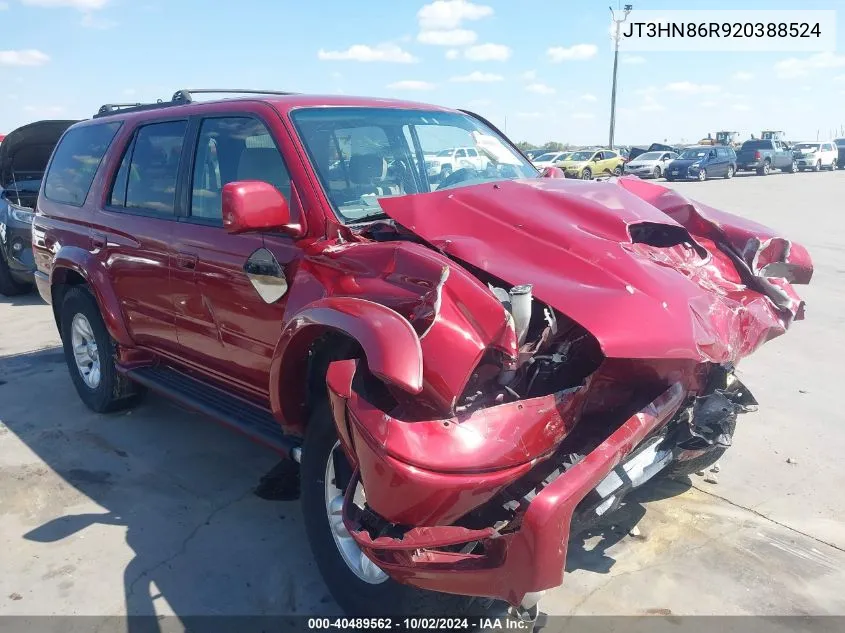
x: 529, y: 558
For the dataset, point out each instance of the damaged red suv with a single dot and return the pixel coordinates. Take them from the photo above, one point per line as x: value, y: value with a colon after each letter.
x: 467, y: 371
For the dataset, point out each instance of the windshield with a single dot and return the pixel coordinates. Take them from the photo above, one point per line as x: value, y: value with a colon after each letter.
x: 650, y: 156
x: 694, y: 153
x: 363, y: 154
x: 810, y: 147
x: 25, y: 185
x: 445, y: 152
x: 548, y: 157
x: 581, y: 155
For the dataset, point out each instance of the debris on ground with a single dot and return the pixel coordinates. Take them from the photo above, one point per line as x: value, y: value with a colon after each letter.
x: 803, y: 391
x: 711, y: 478
x: 15, y: 596
x: 715, y: 468
x: 700, y: 473
x: 791, y: 460
x: 635, y: 532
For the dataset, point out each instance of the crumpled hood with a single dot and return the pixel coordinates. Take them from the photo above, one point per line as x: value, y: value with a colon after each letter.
x: 28, y: 149
x: 572, y: 241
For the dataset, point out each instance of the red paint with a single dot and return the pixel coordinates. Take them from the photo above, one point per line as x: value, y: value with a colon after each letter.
x: 662, y: 315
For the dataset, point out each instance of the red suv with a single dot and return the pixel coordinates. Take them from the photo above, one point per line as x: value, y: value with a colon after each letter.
x: 467, y: 370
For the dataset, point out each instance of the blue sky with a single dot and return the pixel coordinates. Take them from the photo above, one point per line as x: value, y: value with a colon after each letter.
x: 540, y: 69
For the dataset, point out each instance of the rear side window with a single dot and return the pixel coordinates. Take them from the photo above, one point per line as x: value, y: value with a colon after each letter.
x: 75, y: 162
x: 757, y: 144
x: 146, y: 179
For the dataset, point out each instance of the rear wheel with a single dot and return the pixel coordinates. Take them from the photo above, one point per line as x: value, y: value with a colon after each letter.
x: 817, y: 166
x: 833, y: 165
x: 730, y: 173
x: 89, y: 353
x: 8, y: 286
x: 765, y: 169
x: 355, y: 582
x: 617, y: 171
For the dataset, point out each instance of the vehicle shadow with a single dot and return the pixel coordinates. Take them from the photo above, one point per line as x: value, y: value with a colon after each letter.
x: 29, y: 299
x: 174, y: 487
x: 589, y: 549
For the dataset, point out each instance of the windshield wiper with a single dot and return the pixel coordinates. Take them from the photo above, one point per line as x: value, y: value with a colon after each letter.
x: 371, y: 217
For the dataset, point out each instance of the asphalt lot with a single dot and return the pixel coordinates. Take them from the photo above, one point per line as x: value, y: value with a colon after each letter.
x: 153, y: 511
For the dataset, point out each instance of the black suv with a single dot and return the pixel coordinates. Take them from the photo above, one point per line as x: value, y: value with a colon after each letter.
x: 23, y: 158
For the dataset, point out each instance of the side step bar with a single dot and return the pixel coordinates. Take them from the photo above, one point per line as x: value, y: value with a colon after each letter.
x: 250, y: 419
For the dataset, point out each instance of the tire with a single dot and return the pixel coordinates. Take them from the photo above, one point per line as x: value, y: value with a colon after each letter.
x: 355, y: 596
x: 833, y: 165
x: 669, y: 179
x: 9, y: 287
x: 112, y: 391
x: 587, y: 174
x: 617, y: 171
x: 657, y: 173
x: 765, y: 169
x: 702, y: 175
x: 702, y: 462
x: 818, y: 165
x: 445, y: 172
x: 794, y: 167
x: 730, y: 173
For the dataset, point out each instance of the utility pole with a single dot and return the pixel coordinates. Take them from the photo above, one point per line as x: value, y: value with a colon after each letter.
x: 618, y: 22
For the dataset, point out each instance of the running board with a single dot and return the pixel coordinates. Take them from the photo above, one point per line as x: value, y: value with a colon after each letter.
x: 252, y: 420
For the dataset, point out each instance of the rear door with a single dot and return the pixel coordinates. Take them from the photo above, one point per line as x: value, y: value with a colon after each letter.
x: 228, y: 327
x: 132, y: 230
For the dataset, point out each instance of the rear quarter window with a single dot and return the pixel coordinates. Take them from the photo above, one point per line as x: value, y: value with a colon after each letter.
x: 75, y: 162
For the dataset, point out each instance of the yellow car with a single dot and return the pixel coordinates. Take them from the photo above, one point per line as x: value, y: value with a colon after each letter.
x: 587, y: 164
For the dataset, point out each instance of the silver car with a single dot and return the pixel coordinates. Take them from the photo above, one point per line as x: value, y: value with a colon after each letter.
x: 650, y: 164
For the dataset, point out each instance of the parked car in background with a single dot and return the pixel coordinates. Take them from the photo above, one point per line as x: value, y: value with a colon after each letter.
x: 840, y: 149
x: 24, y: 154
x: 701, y: 162
x: 446, y: 162
x: 763, y: 155
x: 549, y: 159
x: 587, y: 164
x: 650, y: 164
x: 816, y: 155
x: 654, y: 147
x: 534, y: 153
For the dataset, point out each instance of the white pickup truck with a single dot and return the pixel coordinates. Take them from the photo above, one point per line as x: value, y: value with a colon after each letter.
x: 446, y: 162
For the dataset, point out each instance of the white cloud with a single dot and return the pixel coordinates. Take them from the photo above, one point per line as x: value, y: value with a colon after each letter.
x: 26, y: 57
x: 529, y: 75
x: 453, y: 54
x: 454, y: 37
x: 44, y: 110
x: 449, y: 14
x: 477, y: 77
x: 90, y: 21
x: 130, y: 92
x: 589, y: 97
x: 363, y: 53
x: 650, y: 104
x: 529, y: 115
x: 840, y: 79
x: 710, y: 103
x: 540, y: 89
x: 583, y: 115
x: 411, y: 84
x: 633, y: 59
x: 82, y: 5
x: 577, y: 52
x: 742, y: 76
x: 488, y: 52
x: 798, y: 67
x: 689, y: 88
x: 741, y: 107
x: 479, y: 103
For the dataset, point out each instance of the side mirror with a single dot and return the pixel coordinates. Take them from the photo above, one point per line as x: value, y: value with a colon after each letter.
x: 253, y: 205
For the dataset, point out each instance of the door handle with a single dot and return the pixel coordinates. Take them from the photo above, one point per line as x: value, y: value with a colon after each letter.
x: 186, y: 260
x: 99, y: 239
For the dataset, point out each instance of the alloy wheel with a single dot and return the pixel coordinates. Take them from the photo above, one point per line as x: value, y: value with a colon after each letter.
x: 357, y: 561
x: 85, y: 351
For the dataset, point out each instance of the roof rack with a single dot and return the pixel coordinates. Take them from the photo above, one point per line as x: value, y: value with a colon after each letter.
x: 180, y: 97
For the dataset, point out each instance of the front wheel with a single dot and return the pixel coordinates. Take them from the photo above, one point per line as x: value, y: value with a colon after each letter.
x: 702, y: 175
x: 657, y: 173
x: 8, y: 286
x: 793, y: 167
x: 817, y: 166
x: 587, y: 174
x: 833, y: 165
x: 617, y: 171
x: 357, y: 584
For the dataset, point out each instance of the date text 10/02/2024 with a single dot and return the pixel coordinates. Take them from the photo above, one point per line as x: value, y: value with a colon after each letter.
x: 419, y: 624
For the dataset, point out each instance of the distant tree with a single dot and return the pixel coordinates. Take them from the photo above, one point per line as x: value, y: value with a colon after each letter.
x: 525, y: 145
x: 554, y: 146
